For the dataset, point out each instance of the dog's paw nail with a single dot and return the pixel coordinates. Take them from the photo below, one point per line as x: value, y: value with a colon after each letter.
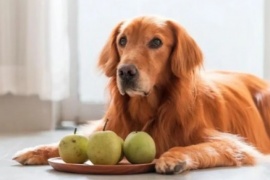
x: 180, y: 167
x: 168, y: 171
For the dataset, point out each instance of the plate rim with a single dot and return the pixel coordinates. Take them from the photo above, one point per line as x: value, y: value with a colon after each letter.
x: 57, y: 161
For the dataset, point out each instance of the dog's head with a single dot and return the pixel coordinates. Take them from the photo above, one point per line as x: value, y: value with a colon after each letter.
x: 141, y: 52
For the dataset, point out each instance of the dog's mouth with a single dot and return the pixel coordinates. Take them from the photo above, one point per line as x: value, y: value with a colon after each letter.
x: 137, y: 86
x: 131, y: 89
x: 133, y: 92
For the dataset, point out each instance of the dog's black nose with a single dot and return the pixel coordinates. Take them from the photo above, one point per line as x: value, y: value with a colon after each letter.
x: 127, y: 72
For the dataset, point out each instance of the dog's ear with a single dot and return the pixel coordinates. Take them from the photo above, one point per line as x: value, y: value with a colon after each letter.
x: 109, y: 57
x: 185, y: 55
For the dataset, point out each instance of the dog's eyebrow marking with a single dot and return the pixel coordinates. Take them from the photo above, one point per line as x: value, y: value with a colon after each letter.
x: 125, y: 25
x: 160, y: 22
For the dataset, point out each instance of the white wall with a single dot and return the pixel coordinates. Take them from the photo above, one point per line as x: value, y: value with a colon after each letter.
x: 230, y: 33
x: 267, y: 40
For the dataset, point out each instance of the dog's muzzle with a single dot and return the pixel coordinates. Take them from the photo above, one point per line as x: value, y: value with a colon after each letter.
x: 127, y: 72
x: 128, y: 76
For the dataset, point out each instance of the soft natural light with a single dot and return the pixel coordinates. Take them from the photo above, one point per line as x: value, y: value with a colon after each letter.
x: 230, y: 34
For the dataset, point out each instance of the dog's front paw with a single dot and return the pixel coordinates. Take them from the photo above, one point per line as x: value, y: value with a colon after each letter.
x: 170, y: 165
x: 36, y: 155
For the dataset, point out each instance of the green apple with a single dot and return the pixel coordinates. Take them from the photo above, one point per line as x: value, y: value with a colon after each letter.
x: 105, y: 148
x: 72, y: 148
x: 139, y: 148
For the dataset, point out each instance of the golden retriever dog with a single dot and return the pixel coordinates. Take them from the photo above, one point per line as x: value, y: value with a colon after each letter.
x: 197, y: 119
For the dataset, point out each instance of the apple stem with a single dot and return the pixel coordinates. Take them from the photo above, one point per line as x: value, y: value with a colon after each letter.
x: 105, y: 124
x: 75, y: 130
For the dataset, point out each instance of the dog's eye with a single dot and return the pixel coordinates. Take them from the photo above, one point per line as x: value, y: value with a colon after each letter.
x: 155, y: 43
x: 123, y: 41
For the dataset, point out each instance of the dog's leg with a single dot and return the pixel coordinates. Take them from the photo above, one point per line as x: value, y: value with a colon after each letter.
x: 225, y: 150
x: 37, y: 155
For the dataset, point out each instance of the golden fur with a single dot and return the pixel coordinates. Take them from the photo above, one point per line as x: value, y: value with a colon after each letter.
x: 193, y: 116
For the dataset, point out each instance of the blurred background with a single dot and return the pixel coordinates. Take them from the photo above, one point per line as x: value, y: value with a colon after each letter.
x: 49, y: 50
